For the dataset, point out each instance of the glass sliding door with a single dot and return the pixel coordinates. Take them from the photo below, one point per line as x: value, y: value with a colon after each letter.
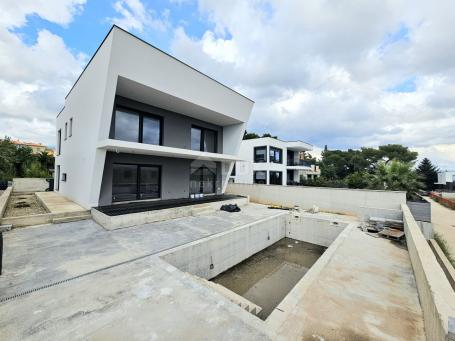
x: 149, y: 182
x: 203, y: 180
x: 124, y: 182
x: 135, y: 182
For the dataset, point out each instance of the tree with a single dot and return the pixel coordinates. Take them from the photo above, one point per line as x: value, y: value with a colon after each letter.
x: 429, y: 173
x: 47, y: 160
x: 7, y: 159
x: 36, y: 170
x: 23, y: 159
x: 249, y: 136
x: 269, y: 135
x: 396, y: 176
x: 359, y: 180
x: 397, y: 152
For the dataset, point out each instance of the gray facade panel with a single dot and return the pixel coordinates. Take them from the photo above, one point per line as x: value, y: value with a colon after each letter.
x: 176, y: 127
x: 175, y: 174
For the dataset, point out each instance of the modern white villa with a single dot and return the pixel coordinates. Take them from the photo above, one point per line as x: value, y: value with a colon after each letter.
x: 446, y: 180
x: 268, y: 160
x: 139, y: 124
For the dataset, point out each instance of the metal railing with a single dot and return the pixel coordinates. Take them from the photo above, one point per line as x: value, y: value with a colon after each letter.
x: 299, y: 163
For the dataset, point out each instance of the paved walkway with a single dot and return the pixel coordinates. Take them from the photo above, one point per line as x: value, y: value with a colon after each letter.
x: 443, y: 220
x: 57, y: 203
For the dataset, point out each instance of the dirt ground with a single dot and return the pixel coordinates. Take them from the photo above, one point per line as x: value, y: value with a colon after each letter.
x: 23, y: 205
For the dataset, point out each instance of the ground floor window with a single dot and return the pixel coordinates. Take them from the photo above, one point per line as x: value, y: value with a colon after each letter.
x: 203, y: 179
x: 135, y: 182
x: 276, y: 178
x: 260, y: 177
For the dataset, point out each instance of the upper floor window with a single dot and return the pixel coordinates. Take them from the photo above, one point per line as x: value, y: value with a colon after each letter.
x: 276, y: 155
x: 260, y: 154
x: 59, y: 142
x: 71, y: 127
x: 137, y: 127
x: 66, y: 130
x: 203, y: 139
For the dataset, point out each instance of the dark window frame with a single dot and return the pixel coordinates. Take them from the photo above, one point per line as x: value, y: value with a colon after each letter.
x: 215, y: 181
x: 202, y: 142
x: 254, y: 154
x: 138, y: 177
x: 275, y: 149
x: 141, y: 115
x: 70, y: 133
x: 254, y: 176
x: 270, y: 177
x: 59, y: 141
x: 66, y: 131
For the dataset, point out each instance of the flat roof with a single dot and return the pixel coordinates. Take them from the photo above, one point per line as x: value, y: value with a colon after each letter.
x: 149, y: 44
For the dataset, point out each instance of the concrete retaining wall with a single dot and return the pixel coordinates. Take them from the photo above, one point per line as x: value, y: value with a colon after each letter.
x: 4, y: 200
x: 30, y: 185
x: 211, y: 256
x: 436, y: 295
x: 313, y: 230
x: 363, y: 203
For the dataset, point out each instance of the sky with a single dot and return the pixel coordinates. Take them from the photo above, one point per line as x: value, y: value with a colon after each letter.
x: 341, y: 73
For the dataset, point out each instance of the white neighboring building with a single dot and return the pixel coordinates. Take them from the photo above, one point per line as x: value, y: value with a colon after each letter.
x: 446, y: 180
x: 267, y: 160
x: 139, y: 124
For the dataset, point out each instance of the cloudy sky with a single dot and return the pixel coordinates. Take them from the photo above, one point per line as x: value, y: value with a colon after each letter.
x: 346, y: 73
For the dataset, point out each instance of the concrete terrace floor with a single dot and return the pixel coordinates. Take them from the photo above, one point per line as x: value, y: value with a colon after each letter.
x: 366, y: 291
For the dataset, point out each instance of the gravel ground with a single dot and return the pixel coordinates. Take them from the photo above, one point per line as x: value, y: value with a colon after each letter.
x: 23, y: 205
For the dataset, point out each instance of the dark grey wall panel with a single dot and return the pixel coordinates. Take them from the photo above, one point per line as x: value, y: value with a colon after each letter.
x: 175, y: 174
x: 176, y: 127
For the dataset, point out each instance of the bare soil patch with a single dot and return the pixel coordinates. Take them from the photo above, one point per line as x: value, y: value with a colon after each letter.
x: 23, y: 205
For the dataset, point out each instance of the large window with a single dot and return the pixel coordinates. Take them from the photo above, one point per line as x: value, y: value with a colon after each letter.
x: 135, y: 126
x: 276, y: 155
x: 135, y: 182
x: 126, y: 126
x: 203, y: 179
x: 260, y: 154
x: 203, y: 139
x: 260, y: 177
x: 276, y: 178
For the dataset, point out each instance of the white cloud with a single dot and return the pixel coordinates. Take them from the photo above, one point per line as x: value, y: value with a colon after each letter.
x: 13, y: 13
x: 35, y: 78
x: 134, y: 15
x: 319, y: 71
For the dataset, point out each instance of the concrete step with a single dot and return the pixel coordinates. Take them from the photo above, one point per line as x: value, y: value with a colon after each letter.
x: 232, y: 296
x: 68, y: 219
x: 201, y: 210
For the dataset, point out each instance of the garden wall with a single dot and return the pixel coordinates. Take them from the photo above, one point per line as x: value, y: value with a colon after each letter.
x: 359, y: 202
x: 30, y: 184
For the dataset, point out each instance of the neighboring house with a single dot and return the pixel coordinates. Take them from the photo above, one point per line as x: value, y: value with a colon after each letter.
x: 36, y: 147
x: 446, y: 180
x: 140, y: 124
x: 267, y: 160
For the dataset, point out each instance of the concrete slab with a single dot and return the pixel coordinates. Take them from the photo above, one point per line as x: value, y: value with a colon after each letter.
x: 57, y: 203
x: 40, y: 255
x: 367, y: 291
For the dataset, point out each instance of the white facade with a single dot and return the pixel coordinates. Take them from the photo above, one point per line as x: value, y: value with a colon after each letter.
x: 291, y: 168
x: 128, y: 68
x: 445, y: 177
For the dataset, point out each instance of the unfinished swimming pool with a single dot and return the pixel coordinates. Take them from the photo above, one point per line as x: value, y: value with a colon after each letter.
x: 256, y: 265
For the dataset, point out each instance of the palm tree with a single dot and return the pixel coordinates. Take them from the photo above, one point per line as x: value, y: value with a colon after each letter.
x: 396, y: 176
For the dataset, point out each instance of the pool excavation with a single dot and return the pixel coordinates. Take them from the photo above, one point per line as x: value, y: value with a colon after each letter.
x: 256, y: 265
x: 266, y: 277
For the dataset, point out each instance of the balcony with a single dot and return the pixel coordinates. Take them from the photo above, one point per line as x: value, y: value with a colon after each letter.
x: 303, y: 163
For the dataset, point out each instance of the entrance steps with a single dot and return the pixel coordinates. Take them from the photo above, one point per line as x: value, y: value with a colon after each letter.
x: 201, y: 210
x: 72, y: 217
x: 232, y: 296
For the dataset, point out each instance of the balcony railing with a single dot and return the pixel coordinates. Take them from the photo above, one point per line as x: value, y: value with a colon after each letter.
x: 299, y: 163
